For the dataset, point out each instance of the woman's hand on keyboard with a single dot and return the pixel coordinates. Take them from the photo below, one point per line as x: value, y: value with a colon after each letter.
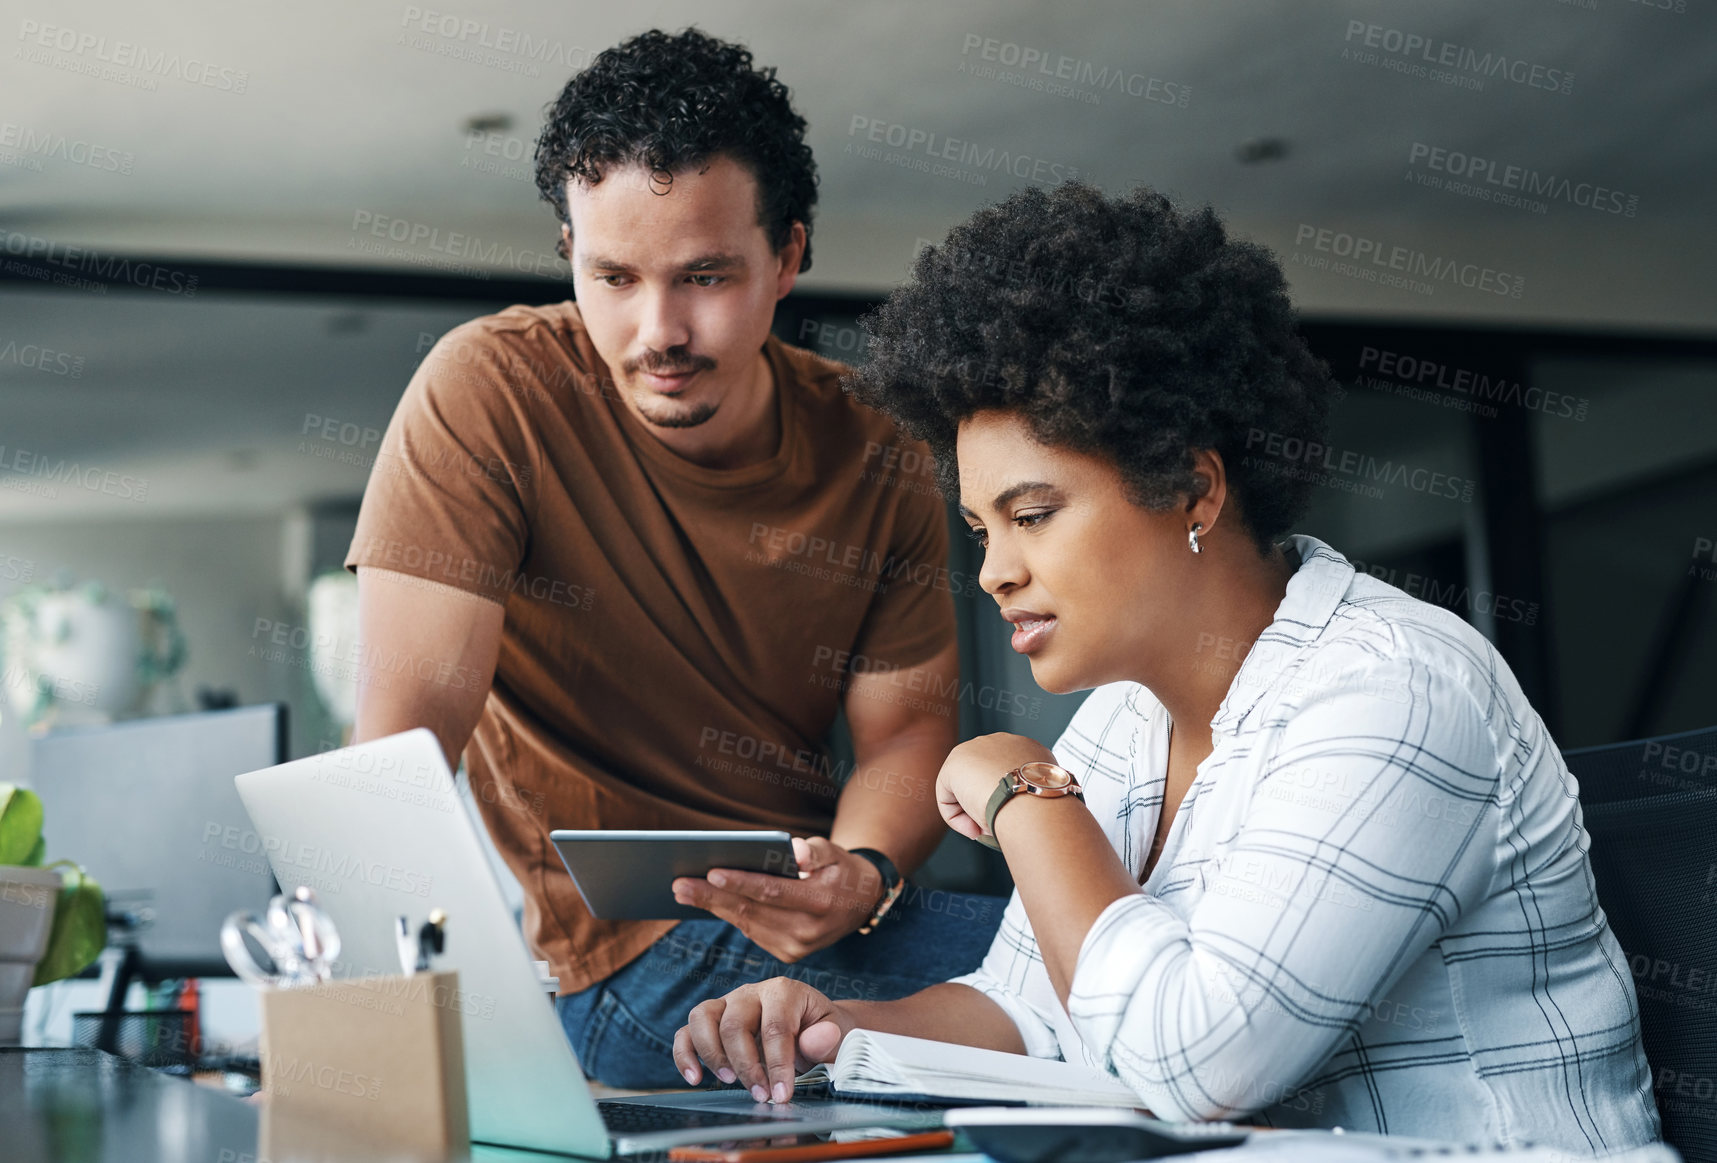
x: 761, y: 1036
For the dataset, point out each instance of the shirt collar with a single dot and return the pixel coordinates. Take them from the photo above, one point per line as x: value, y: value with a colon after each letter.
x: 1313, y: 594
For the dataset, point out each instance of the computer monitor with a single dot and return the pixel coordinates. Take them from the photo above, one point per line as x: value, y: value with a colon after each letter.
x: 149, y: 809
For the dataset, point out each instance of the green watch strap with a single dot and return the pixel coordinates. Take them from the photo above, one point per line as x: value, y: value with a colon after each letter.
x: 1003, y: 793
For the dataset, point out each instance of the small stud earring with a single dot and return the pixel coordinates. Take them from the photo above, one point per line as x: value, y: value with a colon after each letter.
x: 1192, y: 537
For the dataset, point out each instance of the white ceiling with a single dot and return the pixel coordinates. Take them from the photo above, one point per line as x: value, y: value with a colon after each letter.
x: 353, y: 110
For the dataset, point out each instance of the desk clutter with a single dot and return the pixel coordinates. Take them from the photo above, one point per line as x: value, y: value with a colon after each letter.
x: 382, y: 1056
x: 385, y: 1036
x: 378, y: 1062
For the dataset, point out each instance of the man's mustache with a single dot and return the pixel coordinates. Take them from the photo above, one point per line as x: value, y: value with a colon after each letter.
x: 669, y: 365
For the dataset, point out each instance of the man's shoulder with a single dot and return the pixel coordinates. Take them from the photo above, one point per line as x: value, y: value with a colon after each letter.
x: 526, y: 354
x: 817, y: 381
x: 810, y: 367
x: 547, y: 324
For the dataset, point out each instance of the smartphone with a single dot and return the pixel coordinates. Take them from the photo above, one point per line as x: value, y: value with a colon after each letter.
x: 810, y: 1148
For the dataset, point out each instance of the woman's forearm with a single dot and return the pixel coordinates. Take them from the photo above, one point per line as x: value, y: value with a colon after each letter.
x: 1066, y: 875
x: 948, y: 1012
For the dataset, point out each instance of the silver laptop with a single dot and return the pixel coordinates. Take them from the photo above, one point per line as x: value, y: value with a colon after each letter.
x: 379, y: 831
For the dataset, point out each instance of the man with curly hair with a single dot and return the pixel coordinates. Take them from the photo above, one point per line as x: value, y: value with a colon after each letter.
x: 638, y: 553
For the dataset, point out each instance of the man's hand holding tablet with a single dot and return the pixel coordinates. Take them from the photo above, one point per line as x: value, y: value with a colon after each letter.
x: 625, y: 874
x: 791, y: 896
x: 834, y: 894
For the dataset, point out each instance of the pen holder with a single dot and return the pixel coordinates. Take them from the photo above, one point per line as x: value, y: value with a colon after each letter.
x: 381, y: 1056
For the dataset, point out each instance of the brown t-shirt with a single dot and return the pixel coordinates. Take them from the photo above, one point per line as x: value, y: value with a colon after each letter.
x: 677, y: 638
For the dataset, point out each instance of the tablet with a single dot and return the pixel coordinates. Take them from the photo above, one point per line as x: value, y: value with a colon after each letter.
x: 629, y: 876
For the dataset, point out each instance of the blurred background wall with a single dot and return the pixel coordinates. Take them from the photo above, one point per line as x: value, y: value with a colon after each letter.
x: 229, y: 233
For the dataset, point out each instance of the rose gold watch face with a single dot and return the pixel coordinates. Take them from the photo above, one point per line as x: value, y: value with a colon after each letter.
x: 1047, y: 776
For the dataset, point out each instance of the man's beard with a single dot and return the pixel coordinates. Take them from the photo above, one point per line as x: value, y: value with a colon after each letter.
x: 675, y: 415
x: 678, y: 417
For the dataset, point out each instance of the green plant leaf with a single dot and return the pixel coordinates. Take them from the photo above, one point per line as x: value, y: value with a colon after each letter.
x: 37, y: 854
x: 20, y: 824
x: 79, y: 930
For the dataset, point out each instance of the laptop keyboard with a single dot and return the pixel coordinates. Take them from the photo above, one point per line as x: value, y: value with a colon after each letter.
x: 632, y: 1118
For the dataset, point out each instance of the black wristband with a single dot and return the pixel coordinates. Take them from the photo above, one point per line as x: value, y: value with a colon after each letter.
x: 892, y: 885
x: 890, y: 874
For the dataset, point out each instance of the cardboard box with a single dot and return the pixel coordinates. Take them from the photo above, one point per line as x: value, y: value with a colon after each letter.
x: 382, y: 1057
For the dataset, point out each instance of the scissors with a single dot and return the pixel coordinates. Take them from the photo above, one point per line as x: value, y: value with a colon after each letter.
x: 299, y: 939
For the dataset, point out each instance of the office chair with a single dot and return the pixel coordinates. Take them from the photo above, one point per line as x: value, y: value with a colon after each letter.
x: 1650, y: 807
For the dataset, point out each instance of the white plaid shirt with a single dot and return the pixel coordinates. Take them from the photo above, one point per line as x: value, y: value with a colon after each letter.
x: 1373, y: 909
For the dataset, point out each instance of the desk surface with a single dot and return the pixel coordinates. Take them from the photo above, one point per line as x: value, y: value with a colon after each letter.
x: 83, y: 1106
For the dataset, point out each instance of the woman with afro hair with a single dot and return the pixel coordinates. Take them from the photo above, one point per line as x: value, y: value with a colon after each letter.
x: 1306, y: 856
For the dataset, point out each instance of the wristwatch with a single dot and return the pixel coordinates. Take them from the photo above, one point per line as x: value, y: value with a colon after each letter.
x: 1049, y: 780
x: 893, y: 884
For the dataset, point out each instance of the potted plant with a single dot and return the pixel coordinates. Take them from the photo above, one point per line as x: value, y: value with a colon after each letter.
x: 52, y: 919
x: 83, y: 654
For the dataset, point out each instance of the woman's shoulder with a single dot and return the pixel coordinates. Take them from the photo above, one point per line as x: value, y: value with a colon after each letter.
x: 1378, y: 628
x: 1388, y: 663
x: 1342, y: 627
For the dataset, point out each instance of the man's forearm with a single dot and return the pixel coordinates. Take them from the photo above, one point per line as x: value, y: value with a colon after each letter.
x: 889, y: 802
x: 943, y: 1013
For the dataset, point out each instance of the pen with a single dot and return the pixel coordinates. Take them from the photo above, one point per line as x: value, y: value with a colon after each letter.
x: 431, y: 938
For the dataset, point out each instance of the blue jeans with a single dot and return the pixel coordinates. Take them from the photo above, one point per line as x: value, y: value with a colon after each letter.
x: 622, y: 1028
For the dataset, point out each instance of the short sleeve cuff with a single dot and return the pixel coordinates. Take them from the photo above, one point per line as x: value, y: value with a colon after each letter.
x: 460, y: 571
x: 1040, y: 1041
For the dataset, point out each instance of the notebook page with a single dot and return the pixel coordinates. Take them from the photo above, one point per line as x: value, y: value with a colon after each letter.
x: 918, y: 1065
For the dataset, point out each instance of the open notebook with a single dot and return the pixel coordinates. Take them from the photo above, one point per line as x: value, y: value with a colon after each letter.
x: 873, y: 1063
